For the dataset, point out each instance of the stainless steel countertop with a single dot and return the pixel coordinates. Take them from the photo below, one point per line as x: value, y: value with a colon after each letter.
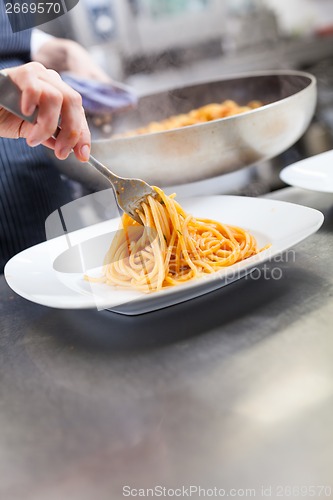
x: 230, y: 390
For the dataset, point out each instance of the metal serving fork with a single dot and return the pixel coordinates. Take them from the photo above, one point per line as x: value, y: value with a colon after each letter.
x: 129, y: 193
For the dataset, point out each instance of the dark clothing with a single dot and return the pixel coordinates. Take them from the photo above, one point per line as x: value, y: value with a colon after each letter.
x: 12, y: 45
x: 30, y: 186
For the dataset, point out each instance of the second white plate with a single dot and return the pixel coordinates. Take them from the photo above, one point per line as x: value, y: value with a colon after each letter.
x: 314, y: 173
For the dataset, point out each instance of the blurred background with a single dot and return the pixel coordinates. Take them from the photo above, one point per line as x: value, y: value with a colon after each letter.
x: 154, y: 45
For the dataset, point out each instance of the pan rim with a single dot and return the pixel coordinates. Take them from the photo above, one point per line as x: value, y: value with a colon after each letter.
x: 253, y: 74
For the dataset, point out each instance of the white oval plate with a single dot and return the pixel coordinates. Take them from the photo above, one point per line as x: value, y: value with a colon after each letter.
x: 314, y: 173
x: 31, y: 273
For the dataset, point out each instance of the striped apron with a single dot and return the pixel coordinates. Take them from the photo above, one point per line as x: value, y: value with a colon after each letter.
x: 30, y: 186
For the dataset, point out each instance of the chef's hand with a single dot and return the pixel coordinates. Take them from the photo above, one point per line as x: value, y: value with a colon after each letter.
x: 61, y: 55
x: 44, y: 88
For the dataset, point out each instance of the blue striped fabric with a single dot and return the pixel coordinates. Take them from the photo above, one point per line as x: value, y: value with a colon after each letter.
x: 12, y: 44
x: 30, y: 186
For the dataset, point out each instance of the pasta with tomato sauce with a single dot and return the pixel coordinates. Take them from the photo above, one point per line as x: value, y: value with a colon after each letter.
x: 207, y: 113
x: 178, y: 248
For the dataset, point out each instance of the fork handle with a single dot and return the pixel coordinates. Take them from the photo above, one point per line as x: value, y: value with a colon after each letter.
x: 10, y: 98
x: 102, y: 169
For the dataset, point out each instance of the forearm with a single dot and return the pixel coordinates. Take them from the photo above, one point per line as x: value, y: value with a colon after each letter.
x: 66, y: 55
x: 54, y: 54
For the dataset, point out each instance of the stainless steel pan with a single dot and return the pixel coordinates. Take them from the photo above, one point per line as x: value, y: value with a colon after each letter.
x: 210, y: 149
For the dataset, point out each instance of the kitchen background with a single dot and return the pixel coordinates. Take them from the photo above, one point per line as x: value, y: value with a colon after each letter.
x: 153, y: 45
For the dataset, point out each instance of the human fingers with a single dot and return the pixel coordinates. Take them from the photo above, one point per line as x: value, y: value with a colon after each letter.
x: 74, y: 133
x: 38, y: 90
x: 27, y: 77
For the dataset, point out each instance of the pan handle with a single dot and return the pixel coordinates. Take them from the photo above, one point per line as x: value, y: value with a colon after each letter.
x: 10, y: 98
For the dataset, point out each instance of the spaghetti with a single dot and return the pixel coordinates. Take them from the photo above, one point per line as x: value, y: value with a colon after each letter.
x: 177, y: 248
x: 207, y: 113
